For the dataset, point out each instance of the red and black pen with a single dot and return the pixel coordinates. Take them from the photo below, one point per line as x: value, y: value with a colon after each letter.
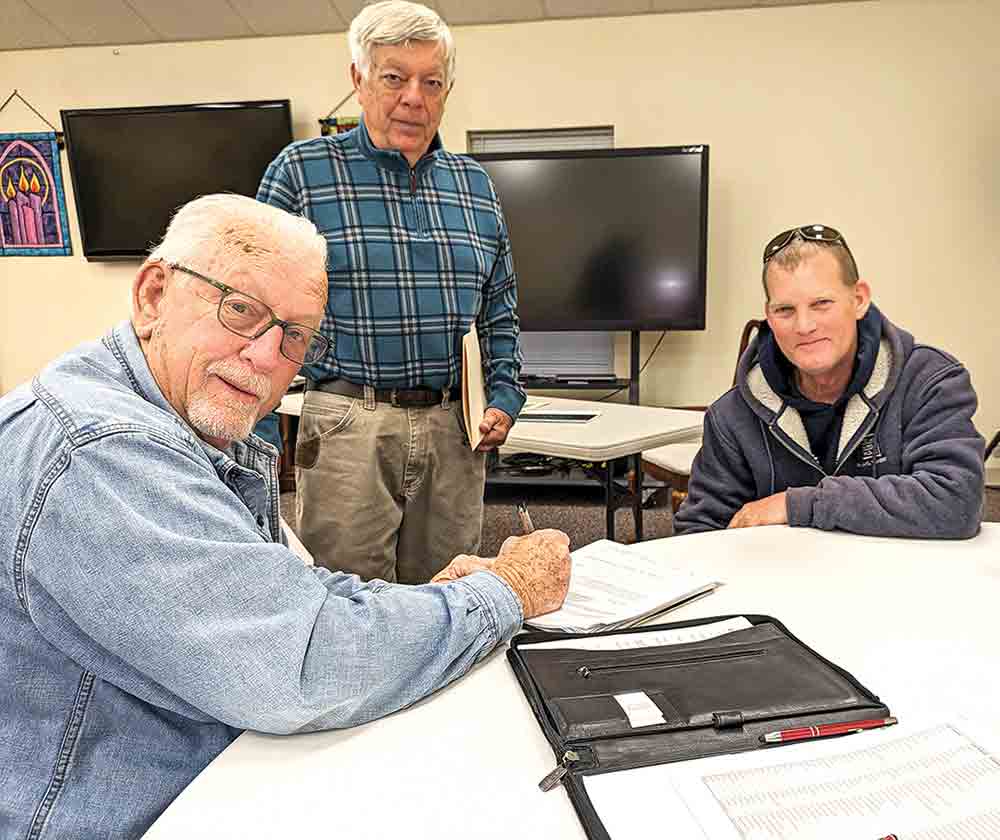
x: 824, y: 730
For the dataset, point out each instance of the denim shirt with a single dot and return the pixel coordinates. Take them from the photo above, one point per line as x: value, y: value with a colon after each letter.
x: 150, y: 610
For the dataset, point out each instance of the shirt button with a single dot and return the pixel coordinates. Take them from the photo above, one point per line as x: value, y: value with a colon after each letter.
x: 260, y: 520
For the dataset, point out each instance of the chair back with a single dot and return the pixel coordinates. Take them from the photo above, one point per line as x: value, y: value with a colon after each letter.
x: 750, y: 328
x: 992, y: 445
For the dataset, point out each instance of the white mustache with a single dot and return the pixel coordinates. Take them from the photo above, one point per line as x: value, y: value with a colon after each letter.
x: 253, y: 383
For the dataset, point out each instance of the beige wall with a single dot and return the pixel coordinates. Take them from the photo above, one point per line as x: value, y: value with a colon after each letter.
x: 879, y: 118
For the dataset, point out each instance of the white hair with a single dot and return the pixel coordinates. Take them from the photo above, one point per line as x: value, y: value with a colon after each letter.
x: 395, y: 22
x: 218, y: 231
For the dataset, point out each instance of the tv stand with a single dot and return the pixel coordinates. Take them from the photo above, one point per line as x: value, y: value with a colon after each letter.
x: 581, y: 383
x: 621, y: 477
x: 594, y: 383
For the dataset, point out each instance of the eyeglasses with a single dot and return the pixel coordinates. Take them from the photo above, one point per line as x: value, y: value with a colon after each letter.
x: 250, y: 318
x: 811, y: 233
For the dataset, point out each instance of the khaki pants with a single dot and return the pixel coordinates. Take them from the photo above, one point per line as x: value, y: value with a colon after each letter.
x: 386, y: 492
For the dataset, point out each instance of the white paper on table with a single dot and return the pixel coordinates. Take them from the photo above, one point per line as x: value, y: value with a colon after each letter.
x: 533, y: 404
x: 930, y: 782
x: 613, y: 585
x: 656, y: 638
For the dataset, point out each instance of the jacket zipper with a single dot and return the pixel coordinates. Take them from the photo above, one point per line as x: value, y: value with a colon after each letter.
x: 860, y: 435
x: 812, y: 463
x: 413, y: 202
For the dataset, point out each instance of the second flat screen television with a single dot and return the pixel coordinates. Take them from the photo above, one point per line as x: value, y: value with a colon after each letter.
x: 607, y: 240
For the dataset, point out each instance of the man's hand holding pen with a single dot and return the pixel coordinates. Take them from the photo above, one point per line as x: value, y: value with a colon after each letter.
x: 535, y: 566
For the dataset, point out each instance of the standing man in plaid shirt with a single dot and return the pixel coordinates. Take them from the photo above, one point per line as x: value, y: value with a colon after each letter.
x: 387, y: 484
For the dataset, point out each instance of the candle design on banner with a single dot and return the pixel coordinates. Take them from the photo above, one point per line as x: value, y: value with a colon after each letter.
x: 32, y: 206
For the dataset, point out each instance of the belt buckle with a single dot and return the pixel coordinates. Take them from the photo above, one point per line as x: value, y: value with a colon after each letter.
x: 392, y: 398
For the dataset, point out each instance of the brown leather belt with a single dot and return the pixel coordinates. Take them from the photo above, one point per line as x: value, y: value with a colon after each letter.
x: 401, y: 397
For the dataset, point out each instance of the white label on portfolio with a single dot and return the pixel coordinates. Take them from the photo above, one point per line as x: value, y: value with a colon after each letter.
x: 641, y: 711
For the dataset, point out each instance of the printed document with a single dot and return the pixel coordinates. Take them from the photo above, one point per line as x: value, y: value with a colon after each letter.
x: 939, y: 782
x: 612, y: 586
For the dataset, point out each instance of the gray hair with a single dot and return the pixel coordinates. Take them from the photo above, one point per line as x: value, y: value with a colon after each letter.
x: 214, y: 232
x: 800, y: 249
x: 395, y: 22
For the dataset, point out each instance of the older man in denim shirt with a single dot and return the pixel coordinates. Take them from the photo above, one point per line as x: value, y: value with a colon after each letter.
x: 149, y: 607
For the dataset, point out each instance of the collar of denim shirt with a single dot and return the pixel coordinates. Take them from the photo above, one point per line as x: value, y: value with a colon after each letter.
x: 254, y: 453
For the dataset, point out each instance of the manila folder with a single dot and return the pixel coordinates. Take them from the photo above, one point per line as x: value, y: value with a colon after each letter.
x: 473, y: 389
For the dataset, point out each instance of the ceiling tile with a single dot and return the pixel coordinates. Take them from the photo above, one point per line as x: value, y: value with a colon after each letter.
x: 595, y: 8
x: 290, y: 17
x: 458, y: 12
x: 96, y: 21
x: 349, y: 9
x: 192, y: 20
x: 801, y: 2
x: 24, y: 28
x: 693, y: 5
x: 706, y: 5
x: 56, y: 23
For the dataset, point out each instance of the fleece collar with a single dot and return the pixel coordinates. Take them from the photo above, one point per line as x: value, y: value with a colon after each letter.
x: 391, y: 158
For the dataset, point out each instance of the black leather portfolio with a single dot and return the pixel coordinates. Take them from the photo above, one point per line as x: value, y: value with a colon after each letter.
x: 645, y: 702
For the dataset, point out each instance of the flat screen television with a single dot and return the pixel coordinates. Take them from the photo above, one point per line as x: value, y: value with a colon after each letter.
x: 132, y: 167
x: 607, y: 239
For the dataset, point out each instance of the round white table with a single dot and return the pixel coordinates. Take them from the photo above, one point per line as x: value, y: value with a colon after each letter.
x: 915, y: 621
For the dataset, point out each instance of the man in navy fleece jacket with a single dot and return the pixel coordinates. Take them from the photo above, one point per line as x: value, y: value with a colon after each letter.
x: 839, y: 419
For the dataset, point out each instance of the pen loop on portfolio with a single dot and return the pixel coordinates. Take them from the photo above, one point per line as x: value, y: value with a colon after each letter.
x: 825, y: 730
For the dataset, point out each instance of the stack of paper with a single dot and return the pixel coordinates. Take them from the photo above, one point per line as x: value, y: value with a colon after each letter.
x: 614, y: 586
x: 934, y: 782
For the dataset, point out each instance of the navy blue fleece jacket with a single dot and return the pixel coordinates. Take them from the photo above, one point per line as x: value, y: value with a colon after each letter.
x: 909, y: 459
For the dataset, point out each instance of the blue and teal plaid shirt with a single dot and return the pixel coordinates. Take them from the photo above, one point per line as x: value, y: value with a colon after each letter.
x: 415, y: 256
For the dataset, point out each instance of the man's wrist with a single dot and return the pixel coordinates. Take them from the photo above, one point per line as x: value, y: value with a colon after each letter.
x: 516, y: 583
x: 507, y: 399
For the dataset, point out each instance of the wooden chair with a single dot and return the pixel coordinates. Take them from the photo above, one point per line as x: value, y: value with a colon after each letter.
x: 992, y: 472
x: 671, y: 464
x: 992, y: 445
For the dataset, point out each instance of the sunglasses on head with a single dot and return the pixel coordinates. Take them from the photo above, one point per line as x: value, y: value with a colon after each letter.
x: 811, y: 233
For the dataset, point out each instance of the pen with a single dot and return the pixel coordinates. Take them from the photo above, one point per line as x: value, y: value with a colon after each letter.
x: 824, y: 730
x: 522, y: 514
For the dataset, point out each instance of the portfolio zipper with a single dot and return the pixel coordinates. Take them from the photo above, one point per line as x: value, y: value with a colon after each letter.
x: 586, y: 672
x: 554, y: 778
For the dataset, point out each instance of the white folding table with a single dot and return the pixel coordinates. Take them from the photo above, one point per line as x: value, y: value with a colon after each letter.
x: 618, y: 431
